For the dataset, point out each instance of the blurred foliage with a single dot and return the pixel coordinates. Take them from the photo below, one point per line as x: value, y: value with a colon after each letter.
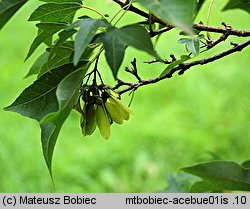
x: 175, y: 122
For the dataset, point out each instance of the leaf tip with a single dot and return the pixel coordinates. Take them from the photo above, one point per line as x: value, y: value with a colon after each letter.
x: 6, y: 108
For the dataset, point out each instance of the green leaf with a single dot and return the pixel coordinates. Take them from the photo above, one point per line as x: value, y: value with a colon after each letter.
x: 39, y: 99
x: 223, y: 175
x: 238, y: 4
x: 47, y: 41
x: 179, y: 13
x: 48, y: 30
x: 192, y: 44
x: 67, y: 94
x: 115, y: 41
x: 138, y: 37
x: 43, y: 64
x: 37, y: 65
x: 184, y: 40
x: 203, y: 186
x: 62, y: 57
x: 174, y: 64
x: 86, y: 33
x: 49, y: 134
x: 8, y: 8
x: 54, y: 12
x: 63, y: 36
x: 246, y: 164
x: 114, y: 49
x: 214, y: 155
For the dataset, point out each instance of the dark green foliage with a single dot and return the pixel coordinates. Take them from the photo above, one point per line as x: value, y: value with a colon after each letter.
x: 39, y: 99
x: 238, y: 4
x: 115, y: 41
x: 114, y: 49
x: 53, y: 12
x: 38, y: 64
x: 8, y: 8
x: 85, y: 35
x: 137, y: 37
x: 179, y: 13
x: 220, y: 176
x: 63, y: 36
x: 47, y: 31
x: 246, y: 164
x: 67, y: 94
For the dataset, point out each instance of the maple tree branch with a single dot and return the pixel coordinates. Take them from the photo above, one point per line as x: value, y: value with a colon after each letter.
x: 181, y: 68
x: 225, y: 32
x: 200, y: 27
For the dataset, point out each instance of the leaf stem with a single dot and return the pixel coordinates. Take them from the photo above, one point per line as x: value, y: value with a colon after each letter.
x: 208, y: 17
x: 117, y: 14
x: 100, y: 77
x: 97, y: 55
x: 126, y: 7
x: 93, y: 9
x: 132, y: 98
x: 95, y: 70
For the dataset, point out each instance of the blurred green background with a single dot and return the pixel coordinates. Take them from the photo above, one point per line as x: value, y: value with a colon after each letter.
x: 176, y: 122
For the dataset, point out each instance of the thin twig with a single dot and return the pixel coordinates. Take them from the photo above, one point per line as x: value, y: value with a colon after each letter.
x: 231, y: 32
x: 201, y: 27
x: 165, y: 61
x: 236, y: 48
x: 219, y: 40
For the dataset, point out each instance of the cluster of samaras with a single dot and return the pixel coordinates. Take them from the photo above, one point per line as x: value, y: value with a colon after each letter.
x: 100, y: 106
